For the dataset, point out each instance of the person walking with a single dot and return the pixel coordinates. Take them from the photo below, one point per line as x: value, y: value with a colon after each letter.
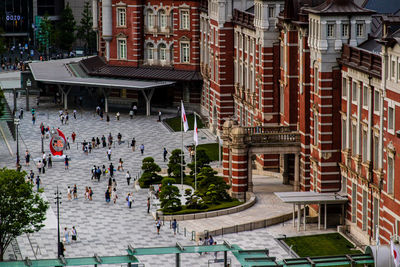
x: 21, y: 113
x: 131, y: 114
x: 37, y: 183
x: 174, y: 226
x: 108, y: 118
x: 114, y: 195
x: 120, y: 166
x: 128, y: 177
x: 66, y: 162
x: 69, y: 195
x: 27, y: 158
x: 119, y: 136
x: 134, y: 109
x: 86, y: 193
x: 90, y: 193
x: 159, y: 115
x: 33, y: 119
x: 129, y: 200
x: 74, y: 234
x: 50, y: 163
x: 103, y: 141
x: 66, y: 236
x: 117, y: 116
x: 75, y: 192
x: 142, y: 149
x: 107, y: 195
x: 75, y: 114
x: 148, y: 205
x: 165, y: 153
x: 39, y: 166
x: 111, y: 168
x: 158, y: 225
x: 109, y: 153
x: 133, y: 143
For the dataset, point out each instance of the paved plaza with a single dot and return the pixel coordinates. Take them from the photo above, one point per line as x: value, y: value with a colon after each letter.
x: 107, y: 228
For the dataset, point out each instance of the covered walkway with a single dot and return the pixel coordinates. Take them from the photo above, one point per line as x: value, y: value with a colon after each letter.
x: 66, y: 73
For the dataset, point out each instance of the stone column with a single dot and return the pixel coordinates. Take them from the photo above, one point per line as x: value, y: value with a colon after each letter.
x: 226, y: 156
x: 240, y: 159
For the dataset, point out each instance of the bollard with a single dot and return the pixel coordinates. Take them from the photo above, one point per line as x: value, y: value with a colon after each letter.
x: 184, y: 232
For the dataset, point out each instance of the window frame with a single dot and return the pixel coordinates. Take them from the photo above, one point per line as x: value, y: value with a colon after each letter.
x: 345, y: 30
x: 366, y: 96
x: 150, y: 51
x: 390, y: 175
x: 330, y: 30
x: 125, y: 55
x: 391, y: 121
x: 163, y: 18
x: 161, y: 51
x: 354, y: 92
x: 150, y: 18
x: 360, y: 29
x: 344, y: 88
x: 377, y: 101
x: 184, y: 19
x: 184, y: 46
x: 121, y: 12
x: 271, y: 9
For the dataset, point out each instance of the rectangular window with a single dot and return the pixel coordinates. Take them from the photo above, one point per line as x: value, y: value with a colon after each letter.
x: 150, y: 19
x: 185, y: 52
x: 377, y: 101
x: 121, y: 49
x: 330, y: 31
x: 251, y: 48
x: 345, y: 30
x: 354, y: 139
x: 392, y: 69
x: 245, y: 43
x: 344, y: 133
x: 354, y: 203
x: 240, y: 41
x: 121, y: 17
x: 344, y: 184
x: 375, y: 216
x: 271, y: 12
x: 344, y: 88
x: 163, y: 20
x: 354, y: 92
x: 316, y: 80
x: 364, y: 146
x: 376, y: 152
x: 315, y: 129
x: 282, y: 100
x: 365, y: 97
x: 390, y: 175
x: 360, y: 29
x: 391, y: 118
x: 185, y: 20
x: 364, y: 210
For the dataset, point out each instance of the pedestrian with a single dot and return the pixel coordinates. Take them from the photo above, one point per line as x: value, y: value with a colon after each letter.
x: 148, y: 205
x: 39, y: 166
x: 107, y: 195
x: 50, y: 162
x: 117, y: 116
x: 158, y: 225
x: 134, y: 109
x: 69, y: 193
x: 90, y: 193
x: 74, y: 234
x: 216, y: 252
x: 133, y: 143
x: 98, y: 173
x: 33, y: 119
x: 199, y: 242
x: 27, y: 158
x: 165, y: 153
x: 174, y: 226
x: 38, y: 183
x: 75, y: 192
x: 21, y: 113
x: 68, y: 146
x: 110, y: 140
x: 119, y: 136
x: 66, y: 235
x: 75, y: 114
x: 142, y: 149
x: 98, y: 110
x: 120, y: 166
x: 93, y: 171
x: 111, y: 169
x: 108, y: 118
x: 104, y: 170
x: 131, y: 113
x: 114, y: 195
x: 66, y: 162
x: 31, y: 177
x: 103, y: 140
x: 159, y: 115
x: 86, y: 193
x: 210, y: 240
x: 129, y: 200
x: 109, y: 153
x: 73, y: 136
x: 128, y: 177
x: 114, y: 183
x: 90, y: 147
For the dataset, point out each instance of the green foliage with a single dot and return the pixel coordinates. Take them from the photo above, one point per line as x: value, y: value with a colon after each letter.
x: 223, y: 205
x: 45, y: 35
x: 175, y: 123
x: 169, y: 196
x: 202, y: 160
x: 66, y: 29
x: 21, y: 209
x: 211, y: 149
x: 212, y: 188
x: 149, y: 176
x: 174, y: 164
x: 85, y: 29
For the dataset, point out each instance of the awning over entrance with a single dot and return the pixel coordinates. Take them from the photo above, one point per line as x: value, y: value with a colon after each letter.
x: 307, y: 198
x: 65, y: 73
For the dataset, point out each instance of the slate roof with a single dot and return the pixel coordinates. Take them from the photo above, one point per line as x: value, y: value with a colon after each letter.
x: 383, y: 6
x: 334, y: 7
x: 95, y: 66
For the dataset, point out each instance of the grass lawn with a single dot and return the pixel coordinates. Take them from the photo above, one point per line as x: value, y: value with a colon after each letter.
x: 320, y: 245
x: 221, y: 206
x: 175, y: 123
x: 211, y: 150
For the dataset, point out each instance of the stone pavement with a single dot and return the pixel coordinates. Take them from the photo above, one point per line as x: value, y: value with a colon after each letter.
x: 107, y: 228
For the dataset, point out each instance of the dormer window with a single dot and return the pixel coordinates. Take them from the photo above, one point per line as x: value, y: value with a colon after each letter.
x: 360, y: 29
x: 330, y: 31
x: 345, y: 30
x: 271, y: 12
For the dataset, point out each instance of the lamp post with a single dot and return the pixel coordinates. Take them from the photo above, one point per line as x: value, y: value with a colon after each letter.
x: 42, y: 145
x: 16, y: 122
x: 58, y: 202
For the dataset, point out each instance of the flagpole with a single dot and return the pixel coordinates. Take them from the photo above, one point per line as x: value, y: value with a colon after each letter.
x: 195, y: 166
x: 181, y: 147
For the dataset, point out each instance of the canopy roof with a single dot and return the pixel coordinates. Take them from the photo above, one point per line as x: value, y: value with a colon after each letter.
x: 311, y: 198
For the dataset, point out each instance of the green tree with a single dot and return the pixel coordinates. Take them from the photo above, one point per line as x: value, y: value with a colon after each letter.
x: 169, y: 196
x: 85, y: 29
x: 66, y: 29
x: 174, y: 164
x: 46, y: 33
x: 21, y: 209
x: 202, y: 160
x: 149, y: 176
x: 208, y: 183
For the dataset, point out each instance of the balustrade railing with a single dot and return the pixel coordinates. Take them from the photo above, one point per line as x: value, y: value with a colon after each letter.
x: 267, y: 129
x: 275, y: 138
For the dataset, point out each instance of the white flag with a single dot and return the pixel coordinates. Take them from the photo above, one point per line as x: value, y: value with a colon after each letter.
x: 195, y: 137
x: 184, y: 119
x: 395, y: 253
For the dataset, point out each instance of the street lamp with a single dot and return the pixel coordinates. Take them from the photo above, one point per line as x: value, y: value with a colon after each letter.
x: 59, y: 244
x: 16, y: 123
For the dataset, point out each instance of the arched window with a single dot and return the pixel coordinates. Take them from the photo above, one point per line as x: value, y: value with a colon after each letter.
x: 150, y: 51
x: 150, y: 18
x: 163, y: 52
x: 162, y: 16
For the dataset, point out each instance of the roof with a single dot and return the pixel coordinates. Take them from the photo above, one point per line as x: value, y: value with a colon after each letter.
x: 292, y: 7
x: 310, y: 197
x: 95, y: 66
x: 371, y: 45
x: 334, y: 7
x: 63, y: 71
x: 383, y: 6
